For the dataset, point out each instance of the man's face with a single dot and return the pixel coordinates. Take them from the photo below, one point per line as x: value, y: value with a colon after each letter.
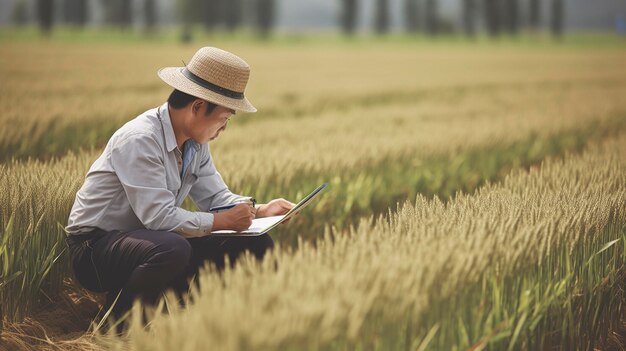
x: 206, y: 127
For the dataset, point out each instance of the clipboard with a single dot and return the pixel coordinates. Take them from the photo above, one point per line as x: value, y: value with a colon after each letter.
x: 263, y: 225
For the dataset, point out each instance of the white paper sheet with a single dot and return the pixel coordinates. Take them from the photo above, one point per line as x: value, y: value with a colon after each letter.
x: 258, y: 226
x: 263, y: 225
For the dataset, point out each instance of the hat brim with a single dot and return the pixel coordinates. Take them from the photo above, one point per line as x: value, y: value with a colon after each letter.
x: 174, y: 77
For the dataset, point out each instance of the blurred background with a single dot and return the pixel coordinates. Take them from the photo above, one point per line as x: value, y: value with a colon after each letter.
x: 431, y: 17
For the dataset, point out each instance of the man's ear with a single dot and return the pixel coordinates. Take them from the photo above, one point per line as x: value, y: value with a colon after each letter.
x: 196, y: 106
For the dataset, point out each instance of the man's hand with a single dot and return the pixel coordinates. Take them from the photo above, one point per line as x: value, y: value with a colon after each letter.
x: 238, y: 218
x: 275, y: 207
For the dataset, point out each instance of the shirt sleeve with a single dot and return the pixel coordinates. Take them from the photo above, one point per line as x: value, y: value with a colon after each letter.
x: 138, y: 163
x: 210, y: 190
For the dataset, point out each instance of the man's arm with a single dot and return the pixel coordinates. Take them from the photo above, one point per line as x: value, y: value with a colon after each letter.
x: 137, y: 161
x: 210, y: 189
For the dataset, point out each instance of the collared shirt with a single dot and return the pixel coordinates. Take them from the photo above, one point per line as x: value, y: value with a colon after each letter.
x: 139, y: 183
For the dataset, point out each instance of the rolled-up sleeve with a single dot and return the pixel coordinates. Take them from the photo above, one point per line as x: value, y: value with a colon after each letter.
x: 138, y: 163
x: 210, y: 189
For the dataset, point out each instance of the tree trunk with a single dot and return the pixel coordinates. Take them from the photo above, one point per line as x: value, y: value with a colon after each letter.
x: 469, y: 17
x: 187, y: 14
x: 125, y: 13
x: 149, y: 9
x: 45, y: 12
x: 349, y: 10
x: 511, y: 15
x: 381, y: 21
x: 534, y: 14
x: 119, y: 13
x: 19, y: 14
x: 492, y: 17
x: 411, y: 15
x: 233, y: 14
x: 557, y: 18
x: 432, y: 17
x: 75, y: 12
x: 211, y: 11
x: 265, y: 19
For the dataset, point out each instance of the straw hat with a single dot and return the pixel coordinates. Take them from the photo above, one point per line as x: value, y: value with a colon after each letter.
x: 214, y: 75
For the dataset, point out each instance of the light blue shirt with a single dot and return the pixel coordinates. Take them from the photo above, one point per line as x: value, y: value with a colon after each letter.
x: 136, y: 183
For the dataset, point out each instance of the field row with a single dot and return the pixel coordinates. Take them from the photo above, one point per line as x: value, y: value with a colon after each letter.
x: 37, y: 196
x: 81, y: 93
x: 527, y: 264
x: 381, y: 127
x: 373, y: 155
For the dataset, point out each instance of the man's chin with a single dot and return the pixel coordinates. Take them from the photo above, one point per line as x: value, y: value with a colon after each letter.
x: 214, y: 137
x: 204, y: 141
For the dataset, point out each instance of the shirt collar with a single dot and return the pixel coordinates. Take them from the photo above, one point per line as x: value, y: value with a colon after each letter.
x: 170, y: 137
x: 168, y: 130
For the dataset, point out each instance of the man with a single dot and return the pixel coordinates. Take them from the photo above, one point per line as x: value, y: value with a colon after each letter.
x: 127, y: 234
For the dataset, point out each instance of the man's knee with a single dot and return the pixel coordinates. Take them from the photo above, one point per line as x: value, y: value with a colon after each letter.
x: 181, y: 249
x: 173, y: 252
x: 267, y: 241
x: 261, y: 245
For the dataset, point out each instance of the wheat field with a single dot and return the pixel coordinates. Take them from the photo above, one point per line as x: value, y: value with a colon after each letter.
x: 499, y: 268
x: 431, y: 235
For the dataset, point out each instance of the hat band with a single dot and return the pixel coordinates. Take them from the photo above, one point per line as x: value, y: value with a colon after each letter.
x: 208, y: 85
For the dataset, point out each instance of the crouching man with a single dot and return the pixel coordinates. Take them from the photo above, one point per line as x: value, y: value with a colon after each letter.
x: 127, y: 233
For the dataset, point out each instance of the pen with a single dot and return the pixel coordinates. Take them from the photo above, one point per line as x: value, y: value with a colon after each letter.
x: 251, y: 201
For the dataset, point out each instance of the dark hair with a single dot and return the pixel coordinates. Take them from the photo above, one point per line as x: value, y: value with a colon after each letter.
x: 178, y: 100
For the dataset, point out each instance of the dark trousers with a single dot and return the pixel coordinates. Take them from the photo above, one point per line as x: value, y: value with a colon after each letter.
x: 144, y: 263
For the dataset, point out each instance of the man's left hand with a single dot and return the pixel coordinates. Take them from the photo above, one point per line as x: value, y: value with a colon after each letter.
x: 275, y: 207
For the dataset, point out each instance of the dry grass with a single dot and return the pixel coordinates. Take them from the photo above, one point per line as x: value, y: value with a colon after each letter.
x: 37, y: 195
x: 436, y: 106
x: 62, y: 324
x: 353, y: 116
x: 506, y: 267
x: 81, y: 93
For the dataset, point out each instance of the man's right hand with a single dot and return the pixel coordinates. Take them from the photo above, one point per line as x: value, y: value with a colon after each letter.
x: 238, y: 218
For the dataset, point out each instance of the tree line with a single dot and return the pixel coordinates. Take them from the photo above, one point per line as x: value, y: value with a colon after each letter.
x: 496, y: 16
x: 212, y: 14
